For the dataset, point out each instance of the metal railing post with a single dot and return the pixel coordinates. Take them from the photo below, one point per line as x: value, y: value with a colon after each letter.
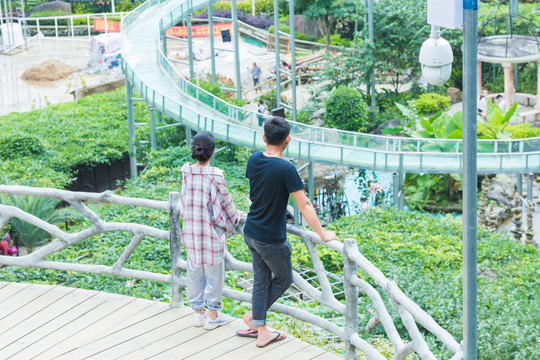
x: 153, y: 143
x: 311, y: 185
x: 175, y: 238
x: 236, y: 50
x: 190, y: 47
x: 351, y: 297
x: 277, y: 50
x: 131, y: 130
x: 519, y: 184
x: 212, y: 48
x: 293, y: 56
x: 530, y: 178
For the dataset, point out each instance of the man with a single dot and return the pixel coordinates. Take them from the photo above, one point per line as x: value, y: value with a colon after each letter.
x: 501, y: 102
x: 256, y: 73
x: 271, y: 180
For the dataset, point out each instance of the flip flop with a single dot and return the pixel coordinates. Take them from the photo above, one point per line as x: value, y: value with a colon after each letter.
x: 278, y: 337
x: 248, y: 333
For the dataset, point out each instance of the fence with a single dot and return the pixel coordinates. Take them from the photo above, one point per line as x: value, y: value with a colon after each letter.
x: 410, y: 313
x: 69, y: 25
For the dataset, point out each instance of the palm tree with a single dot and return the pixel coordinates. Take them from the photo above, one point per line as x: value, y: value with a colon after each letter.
x: 41, y: 207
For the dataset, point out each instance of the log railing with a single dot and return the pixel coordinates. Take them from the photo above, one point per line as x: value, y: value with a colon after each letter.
x: 412, y: 316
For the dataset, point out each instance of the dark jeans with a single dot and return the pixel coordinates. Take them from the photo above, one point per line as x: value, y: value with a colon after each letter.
x: 272, y: 275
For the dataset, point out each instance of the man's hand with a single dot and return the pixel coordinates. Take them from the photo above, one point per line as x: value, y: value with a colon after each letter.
x: 329, y: 236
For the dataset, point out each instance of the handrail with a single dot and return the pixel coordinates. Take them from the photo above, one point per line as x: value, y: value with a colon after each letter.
x: 409, y: 312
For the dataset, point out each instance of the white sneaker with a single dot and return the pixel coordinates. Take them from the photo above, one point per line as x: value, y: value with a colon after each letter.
x: 221, y: 319
x: 200, y: 318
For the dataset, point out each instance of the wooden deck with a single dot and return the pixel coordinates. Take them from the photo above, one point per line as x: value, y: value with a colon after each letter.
x: 53, y: 322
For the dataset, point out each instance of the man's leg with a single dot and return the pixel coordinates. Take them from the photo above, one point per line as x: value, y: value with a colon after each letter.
x: 268, y: 259
x: 281, y: 266
x: 262, y: 278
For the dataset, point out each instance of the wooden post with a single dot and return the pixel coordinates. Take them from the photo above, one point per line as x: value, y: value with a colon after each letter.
x: 175, y: 240
x: 351, y: 298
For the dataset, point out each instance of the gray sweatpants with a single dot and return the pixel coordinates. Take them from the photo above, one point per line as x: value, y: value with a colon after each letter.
x: 205, y: 286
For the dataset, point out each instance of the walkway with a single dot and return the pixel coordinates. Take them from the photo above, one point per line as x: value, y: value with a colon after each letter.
x: 46, y: 322
x: 154, y: 79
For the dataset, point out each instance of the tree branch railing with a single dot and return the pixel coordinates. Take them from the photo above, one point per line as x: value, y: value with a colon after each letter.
x: 411, y: 314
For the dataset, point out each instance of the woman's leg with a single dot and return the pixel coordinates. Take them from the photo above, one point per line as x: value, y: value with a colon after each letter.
x: 196, y: 283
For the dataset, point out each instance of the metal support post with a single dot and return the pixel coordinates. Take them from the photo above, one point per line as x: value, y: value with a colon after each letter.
x: 296, y: 214
x: 371, y: 39
x: 188, y: 136
x: 190, y: 47
x: 236, y: 50
x: 153, y: 143
x: 530, y: 178
x: 351, y: 297
x: 131, y: 130
x: 212, y: 47
x: 514, y: 10
x: 163, y: 40
x: 277, y: 49
x: 470, y: 57
x: 396, y: 188
x: 519, y: 185
x: 293, y: 57
x: 311, y: 185
x: 174, y: 243
x: 399, y: 183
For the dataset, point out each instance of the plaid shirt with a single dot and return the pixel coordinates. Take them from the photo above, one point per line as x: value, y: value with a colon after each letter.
x: 209, y: 214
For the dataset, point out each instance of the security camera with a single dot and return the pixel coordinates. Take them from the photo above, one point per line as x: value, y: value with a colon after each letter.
x: 436, y: 59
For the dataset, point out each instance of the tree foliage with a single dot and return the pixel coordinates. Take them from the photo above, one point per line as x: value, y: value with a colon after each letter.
x: 328, y: 12
x: 347, y: 110
x: 399, y: 29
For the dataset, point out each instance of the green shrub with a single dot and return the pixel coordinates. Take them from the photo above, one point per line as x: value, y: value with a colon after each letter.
x: 52, y: 14
x: 346, y: 110
x: 431, y: 103
x: 299, y: 36
x: 270, y: 99
x: 48, y: 144
x: 48, y: 13
x: 522, y: 131
x: 41, y: 207
x: 17, y: 145
x: 336, y: 40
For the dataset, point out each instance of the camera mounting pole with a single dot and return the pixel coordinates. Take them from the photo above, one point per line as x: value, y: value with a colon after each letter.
x: 470, y: 97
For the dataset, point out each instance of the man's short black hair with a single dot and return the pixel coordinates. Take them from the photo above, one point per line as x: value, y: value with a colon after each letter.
x: 276, y: 130
x: 499, y: 96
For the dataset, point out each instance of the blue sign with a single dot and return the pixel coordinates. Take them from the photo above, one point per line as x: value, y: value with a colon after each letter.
x: 470, y: 4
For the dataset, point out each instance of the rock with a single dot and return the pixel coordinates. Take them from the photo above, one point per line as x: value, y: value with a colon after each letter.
x: 502, y: 190
x: 503, y: 184
x: 500, y: 198
x: 54, y: 6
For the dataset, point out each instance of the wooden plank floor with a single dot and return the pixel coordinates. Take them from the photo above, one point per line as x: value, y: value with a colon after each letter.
x: 53, y: 322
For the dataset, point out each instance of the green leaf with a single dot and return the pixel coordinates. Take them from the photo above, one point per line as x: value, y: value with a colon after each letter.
x: 392, y: 131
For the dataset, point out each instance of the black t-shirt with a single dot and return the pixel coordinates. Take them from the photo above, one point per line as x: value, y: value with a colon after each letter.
x: 271, y: 180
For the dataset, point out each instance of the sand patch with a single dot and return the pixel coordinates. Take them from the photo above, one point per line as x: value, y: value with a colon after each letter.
x: 50, y: 70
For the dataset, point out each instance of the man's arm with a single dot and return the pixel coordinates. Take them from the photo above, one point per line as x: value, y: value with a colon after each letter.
x: 307, y: 210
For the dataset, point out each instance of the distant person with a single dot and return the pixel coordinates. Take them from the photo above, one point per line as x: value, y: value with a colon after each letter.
x: 271, y: 180
x: 482, y: 105
x: 261, y: 111
x: 501, y: 102
x: 256, y: 74
x: 209, y: 218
